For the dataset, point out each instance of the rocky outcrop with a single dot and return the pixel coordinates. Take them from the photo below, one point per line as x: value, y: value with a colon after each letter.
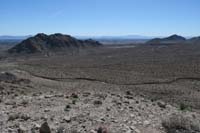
x: 42, y: 43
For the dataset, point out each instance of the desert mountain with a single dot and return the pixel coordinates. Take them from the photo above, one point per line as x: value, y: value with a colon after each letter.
x: 194, y: 40
x: 42, y: 42
x: 168, y: 40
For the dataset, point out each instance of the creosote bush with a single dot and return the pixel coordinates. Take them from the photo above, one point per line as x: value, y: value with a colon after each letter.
x: 181, y: 123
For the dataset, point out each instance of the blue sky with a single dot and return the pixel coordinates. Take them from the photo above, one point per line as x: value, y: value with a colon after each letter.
x: 100, y: 17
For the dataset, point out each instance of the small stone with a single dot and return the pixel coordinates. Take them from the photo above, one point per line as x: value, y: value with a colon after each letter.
x: 46, y: 110
x: 137, y: 131
x: 103, y: 120
x: 22, y: 129
x: 24, y: 102
x: 12, y: 117
x: 128, y: 93
x: 45, y: 128
x: 161, y: 104
x: 59, y: 95
x: 126, y: 102
x: 137, y: 102
x: 108, y: 109
x: 86, y: 94
x: 67, y: 119
x: 132, y: 115
x: 74, y: 95
x: 25, y: 117
x: 102, y: 130
x: 74, y: 101
x: 44, y: 117
x: 10, y: 102
x: 129, y: 97
x: 146, y: 123
x: 93, y: 131
x: 48, y: 96
x: 98, y: 102
x: 36, y: 126
x: 60, y: 130
x: 67, y: 108
x: 132, y: 127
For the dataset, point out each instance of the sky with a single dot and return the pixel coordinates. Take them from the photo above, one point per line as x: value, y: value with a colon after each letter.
x: 100, y: 17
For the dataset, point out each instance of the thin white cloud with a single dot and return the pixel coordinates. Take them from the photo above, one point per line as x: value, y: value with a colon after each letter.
x: 56, y: 14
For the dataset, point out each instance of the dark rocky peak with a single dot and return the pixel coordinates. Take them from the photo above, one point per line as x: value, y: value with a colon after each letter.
x: 43, y: 43
x: 41, y: 36
x: 175, y: 38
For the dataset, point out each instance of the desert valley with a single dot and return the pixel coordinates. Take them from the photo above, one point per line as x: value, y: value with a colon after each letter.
x: 57, y: 83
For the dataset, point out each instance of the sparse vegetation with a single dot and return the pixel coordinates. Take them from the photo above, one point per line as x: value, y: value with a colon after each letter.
x: 116, y: 87
x: 181, y: 123
x: 184, y: 107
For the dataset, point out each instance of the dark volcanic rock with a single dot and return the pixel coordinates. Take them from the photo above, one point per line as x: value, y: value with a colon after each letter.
x: 42, y: 42
x: 168, y: 40
x: 45, y: 128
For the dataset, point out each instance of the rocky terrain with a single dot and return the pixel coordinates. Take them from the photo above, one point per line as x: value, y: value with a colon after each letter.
x: 45, y: 43
x: 140, y: 89
x: 80, y: 107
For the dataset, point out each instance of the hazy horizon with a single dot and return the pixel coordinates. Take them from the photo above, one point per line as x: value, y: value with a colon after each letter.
x: 100, y: 17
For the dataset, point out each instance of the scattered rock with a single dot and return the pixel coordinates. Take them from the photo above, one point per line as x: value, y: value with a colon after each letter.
x: 60, y: 130
x: 74, y: 95
x: 102, y: 130
x: 128, y: 93
x: 98, y: 102
x: 67, y: 108
x: 10, y: 102
x: 129, y: 97
x: 161, y: 104
x: 67, y: 119
x: 22, y: 129
x: 13, y: 117
x: 146, y: 123
x: 48, y: 96
x: 36, y: 126
x: 93, y: 131
x: 45, y: 117
x: 25, y: 117
x: 46, y: 110
x: 86, y: 94
x: 45, y: 128
x: 59, y: 95
x: 24, y: 102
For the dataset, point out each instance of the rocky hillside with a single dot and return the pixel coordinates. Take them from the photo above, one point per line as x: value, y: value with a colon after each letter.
x: 168, y: 40
x: 42, y: 43
x: 36, y: 107
x: 194, y: 40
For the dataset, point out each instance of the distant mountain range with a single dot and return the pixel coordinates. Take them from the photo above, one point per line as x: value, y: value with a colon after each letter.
x: 14, y: 37
x: 7, y: 37
x: 44, y: 43
x: 173, y: 39
x: 125, y: 37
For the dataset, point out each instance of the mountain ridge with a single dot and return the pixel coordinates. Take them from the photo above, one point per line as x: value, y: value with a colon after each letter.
x: 42, y: 42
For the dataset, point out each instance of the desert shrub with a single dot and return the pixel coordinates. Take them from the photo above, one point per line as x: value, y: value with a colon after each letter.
x: 184, y: 107
x: 181, y: 123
